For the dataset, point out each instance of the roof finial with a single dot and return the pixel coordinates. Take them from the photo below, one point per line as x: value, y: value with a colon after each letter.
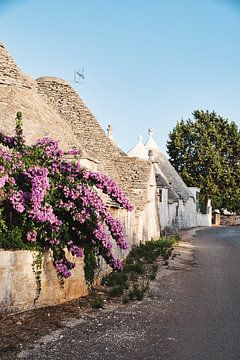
x: 150, y: 132
x: 110, y: 132
x: 150, y: 144
x: 150, y: 155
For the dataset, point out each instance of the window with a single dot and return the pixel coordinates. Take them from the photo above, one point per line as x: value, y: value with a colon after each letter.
x: 160, y: 194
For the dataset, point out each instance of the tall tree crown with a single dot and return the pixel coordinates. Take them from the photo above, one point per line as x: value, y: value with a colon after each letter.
x: 205, y: 151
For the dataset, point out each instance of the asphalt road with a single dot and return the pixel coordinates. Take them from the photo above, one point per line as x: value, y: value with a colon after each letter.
x: 206, y: 321
x: 193, y: 313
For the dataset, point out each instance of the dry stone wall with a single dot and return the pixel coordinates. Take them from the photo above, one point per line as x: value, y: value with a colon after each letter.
x: 19, y: 289
x: 230, y: 220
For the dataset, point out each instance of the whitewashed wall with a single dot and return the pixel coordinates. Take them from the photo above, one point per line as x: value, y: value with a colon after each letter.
x: 164, y: 210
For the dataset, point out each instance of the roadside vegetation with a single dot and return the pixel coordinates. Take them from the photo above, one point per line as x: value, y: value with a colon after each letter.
x: 139, y: 269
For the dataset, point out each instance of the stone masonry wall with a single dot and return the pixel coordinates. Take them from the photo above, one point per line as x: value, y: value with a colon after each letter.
x: 10, y: 73
x: 18, y: 286
x: 230, y: 220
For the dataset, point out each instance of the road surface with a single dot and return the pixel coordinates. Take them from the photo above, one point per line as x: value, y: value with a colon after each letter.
x: 192, y: 313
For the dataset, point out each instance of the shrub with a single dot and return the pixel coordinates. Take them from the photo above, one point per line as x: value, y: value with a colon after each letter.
x: 97, y: 303
x: 117, y: 290
x: 48, y: 202
x: 115, y: 279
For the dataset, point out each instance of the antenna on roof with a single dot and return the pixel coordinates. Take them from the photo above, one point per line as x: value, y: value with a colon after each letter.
x: 78, y: 76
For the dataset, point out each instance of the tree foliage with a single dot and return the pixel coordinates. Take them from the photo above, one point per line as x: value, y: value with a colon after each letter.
x: 205, y: 151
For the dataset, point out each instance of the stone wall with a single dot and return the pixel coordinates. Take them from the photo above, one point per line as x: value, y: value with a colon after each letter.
x: 230, y: 220
x: 204, y: 219
x: 18, y: 285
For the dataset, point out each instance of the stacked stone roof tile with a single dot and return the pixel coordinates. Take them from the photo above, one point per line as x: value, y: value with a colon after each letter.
x: 174, y: 179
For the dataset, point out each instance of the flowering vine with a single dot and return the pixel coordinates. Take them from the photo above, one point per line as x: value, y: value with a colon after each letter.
x: 48, y: 202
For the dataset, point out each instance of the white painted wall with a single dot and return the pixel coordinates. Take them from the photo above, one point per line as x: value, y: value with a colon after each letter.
x: 142, y: 226
x: 164, y: 210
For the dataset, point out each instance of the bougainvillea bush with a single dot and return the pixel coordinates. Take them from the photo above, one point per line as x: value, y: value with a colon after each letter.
x: 49, y: 202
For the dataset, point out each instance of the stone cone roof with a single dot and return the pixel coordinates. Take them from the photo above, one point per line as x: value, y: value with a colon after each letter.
x: 150, y: 143
x: 10, y: 74
x: 178, y: 188
x: 18, y: 92
x: 166, y: 175
x: 139, y: 150
x: 174, y: 179
x: 130, y: 173
x: 162, y: 182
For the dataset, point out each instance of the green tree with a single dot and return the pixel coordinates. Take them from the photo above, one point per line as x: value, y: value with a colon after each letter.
x: 205, y: 151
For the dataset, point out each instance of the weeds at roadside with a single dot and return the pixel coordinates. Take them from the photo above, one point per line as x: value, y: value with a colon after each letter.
x: 97, y: 303
x: 153, y: 273
x: 140, y: 267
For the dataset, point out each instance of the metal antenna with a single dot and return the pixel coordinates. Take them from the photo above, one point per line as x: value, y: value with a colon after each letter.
x: 78, y: 76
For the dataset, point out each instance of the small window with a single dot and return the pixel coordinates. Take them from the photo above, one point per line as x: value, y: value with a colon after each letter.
x: 177, y: 208
x: 160, y: 194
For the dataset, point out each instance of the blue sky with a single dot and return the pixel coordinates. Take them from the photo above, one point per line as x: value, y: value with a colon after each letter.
x: 147, y: 63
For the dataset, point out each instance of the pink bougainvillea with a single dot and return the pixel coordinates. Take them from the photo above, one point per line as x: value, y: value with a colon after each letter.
x: 53, y: 203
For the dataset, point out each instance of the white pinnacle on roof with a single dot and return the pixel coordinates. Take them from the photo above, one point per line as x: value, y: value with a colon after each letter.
x: 150, y: 143
x: 139, y: 150
x: 110, y: 132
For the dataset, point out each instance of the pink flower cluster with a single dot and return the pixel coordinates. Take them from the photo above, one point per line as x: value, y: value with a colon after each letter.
x: 5, y: 156
x: 6, y: 140
x: 39, y: 186
x: 75, y: 250
x: 116, y: 231
x: 109, y: 187
x: 18, y: 200
x: 51, y: 148
x: 101, y: 235
x: 3, y: 181
x: 115, y: 263
x: 73, y: 152
x: 64, y: 267
x: 32, y: 236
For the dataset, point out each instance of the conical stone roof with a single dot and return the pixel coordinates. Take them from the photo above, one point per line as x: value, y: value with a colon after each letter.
x: 139, y: 150
x: 10, y: 74
x: 18, y: 92
x: 174, y: 179
x: 130, y: 173
x: 177, y: 185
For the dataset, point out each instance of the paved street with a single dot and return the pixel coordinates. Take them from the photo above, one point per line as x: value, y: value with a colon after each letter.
x: 192, y: 313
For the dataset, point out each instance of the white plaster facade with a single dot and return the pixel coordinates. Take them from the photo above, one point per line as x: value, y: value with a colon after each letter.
x: 177, y: 204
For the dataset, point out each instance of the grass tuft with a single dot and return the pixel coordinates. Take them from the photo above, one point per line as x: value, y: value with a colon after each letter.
x: 97, y: 303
